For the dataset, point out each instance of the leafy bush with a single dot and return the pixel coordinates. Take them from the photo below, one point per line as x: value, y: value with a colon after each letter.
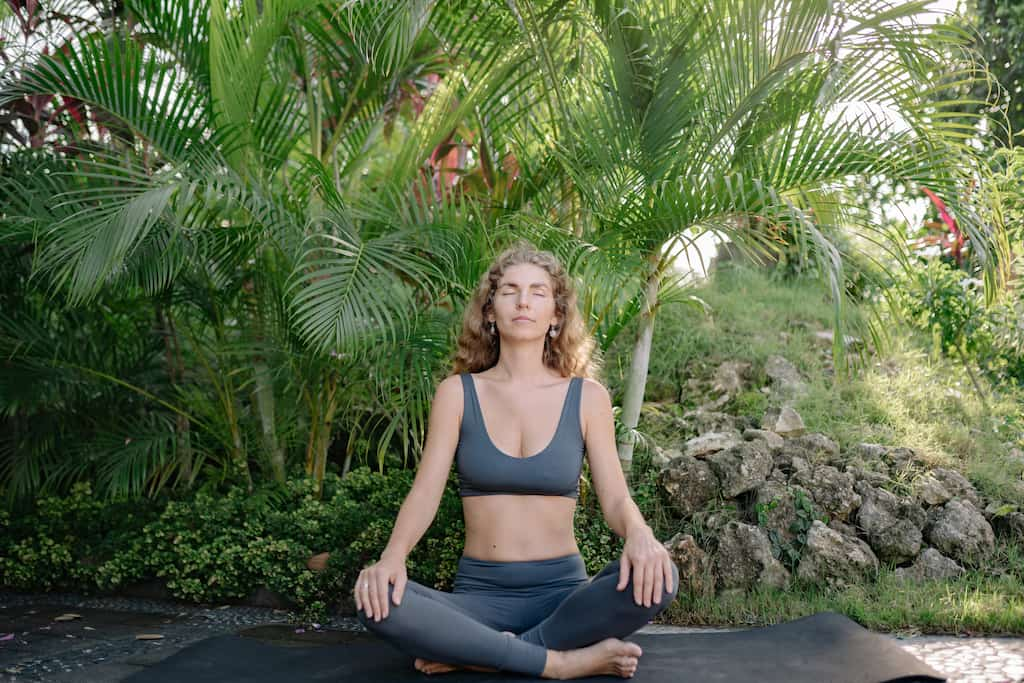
x: 62, y: 542
x: 224, y: 544
x: 948, y: 305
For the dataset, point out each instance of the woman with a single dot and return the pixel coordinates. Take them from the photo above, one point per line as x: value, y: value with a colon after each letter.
x: 517, y: 415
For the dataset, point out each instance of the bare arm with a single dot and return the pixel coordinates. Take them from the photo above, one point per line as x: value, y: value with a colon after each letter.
x: 642, y: 555
x: 420, y: 505
x: 617, y: 506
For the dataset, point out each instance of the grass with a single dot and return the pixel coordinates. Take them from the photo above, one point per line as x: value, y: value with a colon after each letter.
x: 973, y: 603
x: 900, y: 395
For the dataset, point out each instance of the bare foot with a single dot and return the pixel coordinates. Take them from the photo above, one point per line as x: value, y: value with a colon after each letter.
x: 610, y: 657
x: 429, y: 667
x: 318, y: 563
x: 443, y: 668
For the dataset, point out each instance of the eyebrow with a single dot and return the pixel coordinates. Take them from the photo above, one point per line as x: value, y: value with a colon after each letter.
x: 532, y: 284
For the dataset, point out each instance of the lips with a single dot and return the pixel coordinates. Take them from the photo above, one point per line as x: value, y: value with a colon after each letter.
x: 522, y: 318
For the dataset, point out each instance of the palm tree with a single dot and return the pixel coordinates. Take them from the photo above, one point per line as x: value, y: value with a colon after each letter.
x: 234, y: 166
x: 748, y: 119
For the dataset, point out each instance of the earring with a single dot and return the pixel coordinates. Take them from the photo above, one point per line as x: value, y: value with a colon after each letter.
x: 553, y: 332
x: 493, y: 327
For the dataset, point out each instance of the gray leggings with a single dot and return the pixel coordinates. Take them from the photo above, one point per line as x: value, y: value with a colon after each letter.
x: 549, y: 604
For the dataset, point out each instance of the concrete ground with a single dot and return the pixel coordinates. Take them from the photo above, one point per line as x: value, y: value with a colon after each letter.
x: 102, y: 643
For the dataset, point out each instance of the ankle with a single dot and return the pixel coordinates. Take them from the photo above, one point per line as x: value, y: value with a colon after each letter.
x: 554, y: 665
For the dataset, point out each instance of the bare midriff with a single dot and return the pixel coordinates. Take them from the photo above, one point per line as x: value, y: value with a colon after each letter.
x: 515, y: 528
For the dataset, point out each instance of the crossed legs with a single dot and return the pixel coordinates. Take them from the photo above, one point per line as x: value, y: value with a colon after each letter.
x: 462, y: 628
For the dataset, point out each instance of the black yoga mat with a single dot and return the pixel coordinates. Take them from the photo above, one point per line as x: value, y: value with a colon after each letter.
x: 823, y: 648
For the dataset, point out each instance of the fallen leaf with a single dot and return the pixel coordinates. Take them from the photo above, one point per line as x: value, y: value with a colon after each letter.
x: 88, y: 628
x: 149, y: 636
x: 7, y: 636
x: 68, y: 617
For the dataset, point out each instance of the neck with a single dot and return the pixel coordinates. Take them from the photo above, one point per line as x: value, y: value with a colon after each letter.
x: 523, y: 363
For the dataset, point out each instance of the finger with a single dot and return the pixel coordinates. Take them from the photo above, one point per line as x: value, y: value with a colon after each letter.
x: 377, y: 598
x: 382, y: 591
x: 638, y: 585
x: 399, y: 590
x: 648, y: 584
x: 659, y: 578
x: 384, y: 602
x: 375, y: 604
x: 364, y: 595
x: 623, y: 573
x: 668, y: 576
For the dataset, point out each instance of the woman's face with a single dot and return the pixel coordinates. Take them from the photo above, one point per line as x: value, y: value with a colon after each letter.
x: 524, y: 302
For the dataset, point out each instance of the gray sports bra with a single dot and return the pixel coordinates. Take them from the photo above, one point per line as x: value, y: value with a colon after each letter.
x: 486, y: 471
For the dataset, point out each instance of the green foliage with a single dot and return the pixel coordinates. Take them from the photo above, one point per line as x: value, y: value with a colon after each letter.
x: 789, y: 552
x: 750, y: 403
x: 947, y: 305
x: 64, y: 542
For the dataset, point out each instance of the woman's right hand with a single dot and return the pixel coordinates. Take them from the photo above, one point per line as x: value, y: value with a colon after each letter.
x: 371, y: 590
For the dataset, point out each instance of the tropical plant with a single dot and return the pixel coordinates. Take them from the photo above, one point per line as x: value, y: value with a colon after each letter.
x: 747, y: 119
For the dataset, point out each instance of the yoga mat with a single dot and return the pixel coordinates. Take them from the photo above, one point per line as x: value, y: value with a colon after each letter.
x: 822, y: 648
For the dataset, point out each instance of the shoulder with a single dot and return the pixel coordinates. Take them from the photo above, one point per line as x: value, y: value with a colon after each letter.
x: 593, y: 390
x: 594, y: 398
x: 448, y: 396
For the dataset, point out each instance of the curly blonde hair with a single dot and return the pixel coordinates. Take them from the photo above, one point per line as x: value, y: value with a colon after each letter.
x: 571, y: 353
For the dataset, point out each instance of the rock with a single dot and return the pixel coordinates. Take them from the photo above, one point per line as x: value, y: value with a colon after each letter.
x: 1009, y: 524
x: 955, y: 483
x: 741, y: 468
x: 716, y: 403
x: 779, y: 506
x: 695, y: 566
x: 869, y: 452
x: 813, y: 447
x: 930, y: 564
x: 832, y: 489
x: 662, y: 418
x: 712, y: 442
x: 873, y: 478
x: 930, y: 490
x: 707, y: 421
x: 689, y: 484
x: 744, y: 558
x: 843, y: 528
x: 834, y: 558
x: 771, y: 439
x: 784, y: 376
x: 663, y: 456
x: 729, y: 377
x: 717, y: 520
x: 788, y: 463
x: 1006, y: 519
x: 959, y: 530
x: 893, y: 525
x: 901, y: 458
x: 784, y: 421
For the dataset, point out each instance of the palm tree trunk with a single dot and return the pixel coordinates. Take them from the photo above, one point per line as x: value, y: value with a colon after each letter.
x: 263, y: 397
x: 640, y: 362
x: 176, y: 371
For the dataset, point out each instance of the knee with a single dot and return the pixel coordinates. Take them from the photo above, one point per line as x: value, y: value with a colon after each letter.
x: 393, y: 612
x: 668, y: 592
x: 670, y: 595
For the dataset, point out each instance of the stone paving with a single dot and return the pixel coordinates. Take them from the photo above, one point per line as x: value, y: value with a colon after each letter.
x: 101, y: 645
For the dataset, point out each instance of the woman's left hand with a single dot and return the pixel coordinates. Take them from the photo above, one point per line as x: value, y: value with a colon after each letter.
x: 650, y: 564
